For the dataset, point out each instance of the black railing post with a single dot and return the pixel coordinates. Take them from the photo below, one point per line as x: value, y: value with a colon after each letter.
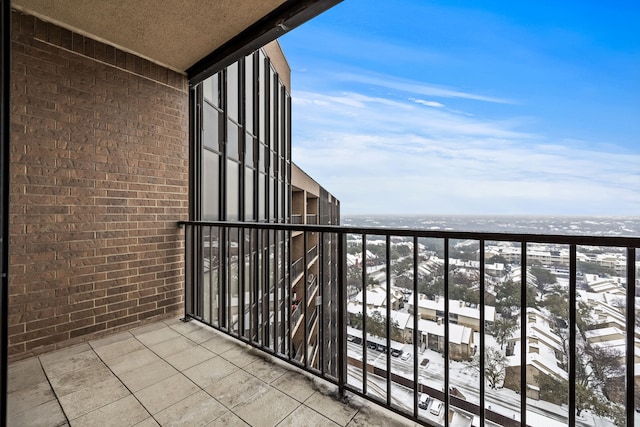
x: 631, y: 319
x: 481, y: 345
x: 446, y: 332
x: 572, y: 334
x: 416, y: 332
x: 523, y: 333
x: 388, y: 316
x: 364, y: 314
x: 342, y: 314
x: 305, y: 306
x: 188, y: 270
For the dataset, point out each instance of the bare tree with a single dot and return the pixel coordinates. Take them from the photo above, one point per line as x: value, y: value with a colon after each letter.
x: 502, y: 329
x: 495, y: 363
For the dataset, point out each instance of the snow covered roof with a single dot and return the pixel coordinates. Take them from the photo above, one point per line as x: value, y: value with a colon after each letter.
x: 458, y: 334
x: 456, y: 307
x: 604, y: 334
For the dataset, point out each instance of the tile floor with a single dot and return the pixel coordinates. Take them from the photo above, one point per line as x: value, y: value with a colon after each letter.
x: 173, y: 373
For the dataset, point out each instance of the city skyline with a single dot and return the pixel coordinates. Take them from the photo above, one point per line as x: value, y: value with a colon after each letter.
x: 495, y: 109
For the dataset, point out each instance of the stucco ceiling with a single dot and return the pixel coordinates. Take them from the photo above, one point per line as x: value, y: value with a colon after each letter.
x: 174, y: 33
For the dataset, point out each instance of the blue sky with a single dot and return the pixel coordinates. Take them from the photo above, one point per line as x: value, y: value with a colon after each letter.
x: 486, y: 107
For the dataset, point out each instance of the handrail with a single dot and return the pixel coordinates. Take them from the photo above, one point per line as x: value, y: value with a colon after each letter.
x: 619, y: 241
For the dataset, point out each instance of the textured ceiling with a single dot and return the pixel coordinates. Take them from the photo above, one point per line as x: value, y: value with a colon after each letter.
x: 174, y: 33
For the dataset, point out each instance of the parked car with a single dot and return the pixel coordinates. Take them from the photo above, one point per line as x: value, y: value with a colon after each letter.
x: 423, y: 403
x: 405, y: 356
x: 436, y: 408
x: 396, y: 353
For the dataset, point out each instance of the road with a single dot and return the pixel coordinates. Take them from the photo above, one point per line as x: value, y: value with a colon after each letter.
x: 500, y: 400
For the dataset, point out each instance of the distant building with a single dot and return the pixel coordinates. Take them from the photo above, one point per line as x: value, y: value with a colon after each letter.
x: 460, y: 312
x: 544, y: 354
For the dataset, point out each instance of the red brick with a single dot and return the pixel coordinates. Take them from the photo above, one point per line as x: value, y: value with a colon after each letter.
x: 99, y: 176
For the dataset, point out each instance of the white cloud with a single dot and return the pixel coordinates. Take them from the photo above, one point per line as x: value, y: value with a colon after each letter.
x: 414, y: 87
x: 433, y: 104
x: 383, y: 156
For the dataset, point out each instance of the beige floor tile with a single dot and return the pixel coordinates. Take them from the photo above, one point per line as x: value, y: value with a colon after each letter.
x: 121, y: 413
x: 122, y: 336
x: 129, y: 362
x: 148, y: 328
x: 369, y: 416
x: 65, y: 353
x: 199, y: 409
x: 190, y: 357
x: 240, y: 356
x: 296, y: 385
x: 206, y: 373
x: 235, y: 389
x: 229, y: 419
x: 29, y: 397
x: 89, y: 399
x: 185, y: 328
x: 25, y: 374
x: 46, y: 415
x: 219, y: 344
x: 172, y: 346
x: 73, y: 381
x: 149, y: 422
x: 165, y: 393
x: 266, y: 409
x: 157, y: 336
x: 331, y: 408
x: 303, y: 415
x: 147, y: 375
x: 266, y: 370
x: 55, y: 367
x: 119, y: 348
x: 201, y: 335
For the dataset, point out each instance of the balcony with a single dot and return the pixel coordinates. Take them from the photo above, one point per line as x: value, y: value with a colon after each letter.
x: 228, y: 374
x: 373, y: 369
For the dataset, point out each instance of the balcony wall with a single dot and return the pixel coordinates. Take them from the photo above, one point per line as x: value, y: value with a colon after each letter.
x: 99, y: 170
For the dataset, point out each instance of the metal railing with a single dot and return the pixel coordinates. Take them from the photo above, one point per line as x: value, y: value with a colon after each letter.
x: 296, y: 268
x: 312, y: 219
x: 439, y: 272
x: 312, y: 253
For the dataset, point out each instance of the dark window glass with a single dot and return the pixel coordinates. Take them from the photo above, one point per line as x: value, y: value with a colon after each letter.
x: 262, y: 87
x: 211, y: 127
x: 272, y: 109
x: 272, y: 197
x: 232, y: 91
x: 248, y: 194
x: 261, y: 196
x: 248, y: 151
x: 233, y: 190
x: 210, y: 186
x: 273, y: 165
x: 210, y: 90
x: 232, y: 141
x: 248, y: 90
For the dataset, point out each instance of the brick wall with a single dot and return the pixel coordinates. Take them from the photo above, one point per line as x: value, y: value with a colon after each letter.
x: 99, y: 172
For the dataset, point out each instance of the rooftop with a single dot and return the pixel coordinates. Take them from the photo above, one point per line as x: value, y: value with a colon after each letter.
x: 175, y: 373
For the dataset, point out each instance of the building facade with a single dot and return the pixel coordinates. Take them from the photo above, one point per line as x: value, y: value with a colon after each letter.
x: 244, y: 174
